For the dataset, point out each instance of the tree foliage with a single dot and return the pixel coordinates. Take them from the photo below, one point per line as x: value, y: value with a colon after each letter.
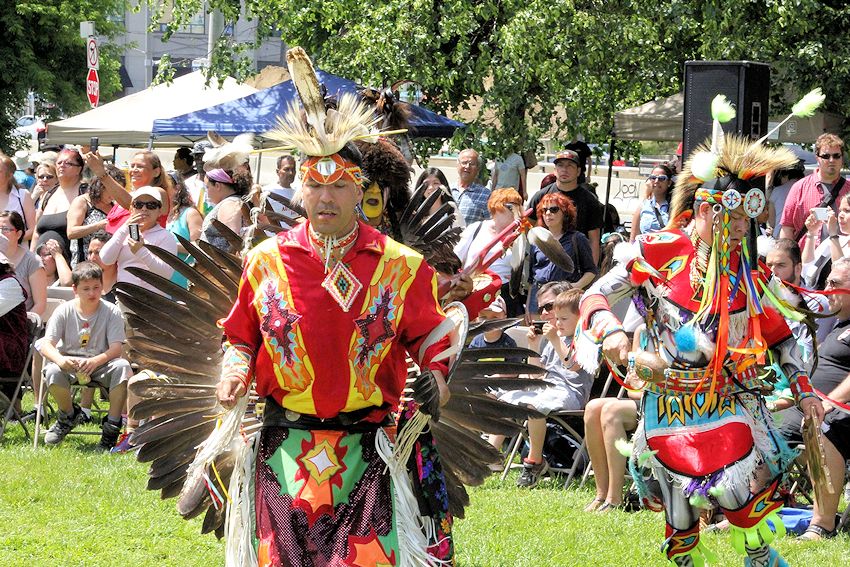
x: 42, y: 52
x: 534, y: 68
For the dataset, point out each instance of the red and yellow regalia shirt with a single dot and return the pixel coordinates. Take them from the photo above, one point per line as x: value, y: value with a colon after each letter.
x: 313, y: 357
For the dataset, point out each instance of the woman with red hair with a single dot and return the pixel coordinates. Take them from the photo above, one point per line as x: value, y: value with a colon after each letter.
x: 558, y: 214
x: 505, y: 206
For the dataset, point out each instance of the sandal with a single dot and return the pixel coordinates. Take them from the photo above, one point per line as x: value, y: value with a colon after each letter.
x: 816, y: 533
x: 594, y: 504
x: 608, y: 507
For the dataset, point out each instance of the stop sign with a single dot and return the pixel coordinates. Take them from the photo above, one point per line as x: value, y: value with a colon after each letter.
x: 93, y: 87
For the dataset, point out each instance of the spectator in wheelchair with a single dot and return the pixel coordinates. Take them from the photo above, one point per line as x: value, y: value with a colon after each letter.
x: 570, y: 385
x: 83, y: 346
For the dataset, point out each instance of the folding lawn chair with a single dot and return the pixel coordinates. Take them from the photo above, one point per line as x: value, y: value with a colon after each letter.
x: 572, y: 421
x: 35, y: 329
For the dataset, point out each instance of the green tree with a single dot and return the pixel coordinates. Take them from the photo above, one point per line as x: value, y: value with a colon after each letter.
x: 538, y: 68
x: 42, y: 52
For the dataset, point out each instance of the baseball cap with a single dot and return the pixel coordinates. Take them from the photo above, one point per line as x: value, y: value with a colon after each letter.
x: 567, y: 154
x: 149, y: 191
x: 200, y: 147
x: 498, y: 305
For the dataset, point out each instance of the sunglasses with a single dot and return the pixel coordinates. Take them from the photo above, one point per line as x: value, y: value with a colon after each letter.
x: 827, y: 157
x: 658, y: 178
x: 552, y: 210
x: 547, y: 306
x: 46, y: 176
x: 5, y: 229
x: 149, y: 205
x: 72, y: 164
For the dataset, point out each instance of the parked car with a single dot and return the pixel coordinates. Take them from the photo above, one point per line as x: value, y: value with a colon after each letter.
x: 29, y: 126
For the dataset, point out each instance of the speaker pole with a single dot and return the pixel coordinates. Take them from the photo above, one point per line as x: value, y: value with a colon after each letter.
x: 608, y: 186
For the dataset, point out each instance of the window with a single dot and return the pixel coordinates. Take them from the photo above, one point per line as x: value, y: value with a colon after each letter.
x: 196, y: 24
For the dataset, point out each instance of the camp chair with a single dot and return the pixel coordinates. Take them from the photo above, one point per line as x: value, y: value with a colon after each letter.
x: 76, y: 392
x: 35, y: 329
x: 572, y: 421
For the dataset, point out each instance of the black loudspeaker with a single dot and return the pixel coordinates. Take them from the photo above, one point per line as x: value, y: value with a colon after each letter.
x: 747, y: 86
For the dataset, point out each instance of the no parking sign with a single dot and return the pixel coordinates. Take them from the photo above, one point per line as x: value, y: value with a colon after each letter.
x: 92, y: 79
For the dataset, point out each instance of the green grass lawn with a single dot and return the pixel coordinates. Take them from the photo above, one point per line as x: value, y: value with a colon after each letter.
x: 69, y: 506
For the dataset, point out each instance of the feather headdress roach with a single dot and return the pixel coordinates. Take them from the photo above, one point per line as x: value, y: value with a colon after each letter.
x: 318, y: 130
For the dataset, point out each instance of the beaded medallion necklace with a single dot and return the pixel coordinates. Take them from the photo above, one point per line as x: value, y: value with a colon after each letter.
x: 340, y: 282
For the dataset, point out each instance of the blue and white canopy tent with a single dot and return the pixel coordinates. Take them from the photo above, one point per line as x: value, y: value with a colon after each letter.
x: 257, y: 113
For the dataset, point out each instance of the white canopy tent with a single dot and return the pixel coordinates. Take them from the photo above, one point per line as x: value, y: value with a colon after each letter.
x: 662, y: 120
x: 128, y: 121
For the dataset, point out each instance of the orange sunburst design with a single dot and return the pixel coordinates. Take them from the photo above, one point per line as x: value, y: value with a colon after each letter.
x: 320, y: 466
x: 367, y: 551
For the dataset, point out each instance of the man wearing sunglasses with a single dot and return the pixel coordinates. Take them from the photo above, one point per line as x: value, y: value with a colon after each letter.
x: 822, y: 188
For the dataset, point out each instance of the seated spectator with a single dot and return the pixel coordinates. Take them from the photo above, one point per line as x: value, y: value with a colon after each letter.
x: 126, y: 252
x: 88, y: 215
x: 14, y: 334
x: 829, y: 377
x: 56, y: 267
x: 13, y: 197
x: 83, y: 344
x: 816, y: 257
x: 225, y: 190
x: 570, y: 388
x: 110, y: 271
x: 654, y: 211
x: 784, y: 261
x: 558, y: 214
x: 184, y: 220
x: 29, y: 270
x: 607, y: 420
x: 503, y: 206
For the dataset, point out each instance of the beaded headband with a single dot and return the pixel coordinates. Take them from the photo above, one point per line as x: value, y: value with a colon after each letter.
x: 330, y: 169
